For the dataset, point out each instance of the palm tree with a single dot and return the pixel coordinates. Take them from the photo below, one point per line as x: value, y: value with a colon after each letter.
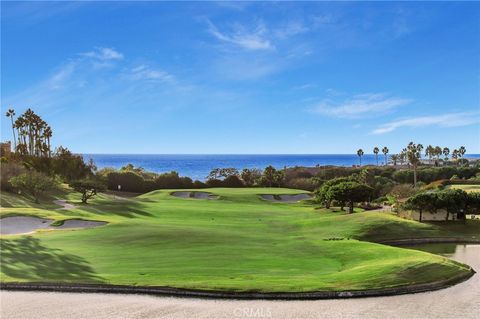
x: 455, y: 155
x: 375, y: 151
x: 11, y: 114
x: 446, y: 151
x: 385, y: 151
x: 461, y: 151
x: 360, y: 154
x: 394, y: 158
x: 403, y: 155
x: 429, y: 152
x: 47, y: 134
x: 413, y: 155
x: 437, y: 152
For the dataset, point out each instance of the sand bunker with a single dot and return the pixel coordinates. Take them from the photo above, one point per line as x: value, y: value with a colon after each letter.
x: 194, y: 195
x: 79, y: 223
x: 25, y: 224
x: 22, y: 224
x: 286, y: 198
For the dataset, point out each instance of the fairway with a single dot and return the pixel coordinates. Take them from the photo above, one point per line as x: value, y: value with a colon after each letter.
x: 237, y: 242
x: 467, y: 188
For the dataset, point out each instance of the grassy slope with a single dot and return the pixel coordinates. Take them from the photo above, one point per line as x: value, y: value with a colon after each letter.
x: 467, y: 188
x: 237, y: 243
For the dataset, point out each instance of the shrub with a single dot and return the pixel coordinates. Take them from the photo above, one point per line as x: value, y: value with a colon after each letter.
x: 304, y: 183
x: 129, y: 182
x: 232, y: 181
x: 213, y: 182
x: 34, y: 183
x: 7, y: 171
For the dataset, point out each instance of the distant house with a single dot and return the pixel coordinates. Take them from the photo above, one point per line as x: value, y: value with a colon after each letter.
x: 5, y: 149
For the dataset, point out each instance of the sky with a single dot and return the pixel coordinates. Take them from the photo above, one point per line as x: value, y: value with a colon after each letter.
x: 244, y: 77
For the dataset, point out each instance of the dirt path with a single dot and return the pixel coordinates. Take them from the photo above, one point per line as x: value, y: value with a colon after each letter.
x: 64, y: 204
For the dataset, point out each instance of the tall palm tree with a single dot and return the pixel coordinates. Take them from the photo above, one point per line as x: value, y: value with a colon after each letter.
x: 413, y: 155
x: 455, y: 155
x: 385, y: 151
x: 437, y: 152
x: 47, y: 134
x: 429, y: 152
x: 446, y: 151
x: 375, y: 151
x: 11, y: 114
x: 360, y: 154
x: 461, y: 151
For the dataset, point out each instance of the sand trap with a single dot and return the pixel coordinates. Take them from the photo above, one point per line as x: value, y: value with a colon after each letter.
x: 22, y: 224
x: 79, y: 223
x: 194, y: 195
x: 286, y: 198
x: 25, y: 224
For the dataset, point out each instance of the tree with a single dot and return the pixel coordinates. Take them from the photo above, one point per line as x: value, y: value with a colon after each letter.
x: 385, y: 151
x: 446, y: 151
x: 429, y: 152
x: 11, y: 114
x: 422, y: 202
x: 473, y: 203
x: 272, y: 177
x: 34, y: 183
x: 360, y: 154
x: 437, y: 151
x: 453, y: 201
x: 322, y: 194
x: 394, y: 158
x: 250, y: 176
x: 350, y: 192
x: 461, y: 151
x: 375, y: 151
x: 413, y: 156
x: 88, y: 188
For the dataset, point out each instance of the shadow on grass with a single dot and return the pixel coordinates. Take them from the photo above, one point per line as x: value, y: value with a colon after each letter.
x: 124, y: 208
x: 27, y: 259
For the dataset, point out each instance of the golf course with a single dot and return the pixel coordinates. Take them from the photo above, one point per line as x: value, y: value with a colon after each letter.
x: 228, y: 240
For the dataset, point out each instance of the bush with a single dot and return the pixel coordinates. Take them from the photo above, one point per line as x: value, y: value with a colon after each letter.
x: 213, y: 182
x: 308, y: 184
x: 129, y: 182
x: 232, y: 181
x: 7, y: 171
x: 34, y: 183
x: 172, y: 180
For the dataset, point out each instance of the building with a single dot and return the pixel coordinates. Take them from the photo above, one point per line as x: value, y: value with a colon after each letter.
x: 5, y: 149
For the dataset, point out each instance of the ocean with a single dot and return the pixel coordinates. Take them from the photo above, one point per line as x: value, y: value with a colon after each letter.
x: 198, y: 166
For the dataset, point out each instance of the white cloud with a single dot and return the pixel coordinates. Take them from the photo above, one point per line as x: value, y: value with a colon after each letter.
x: 292, y: 28
x: 144, y: 72
x: 248, y: 39
x: 361, y: 105
x: 444, y: 120
x: 104, y: 54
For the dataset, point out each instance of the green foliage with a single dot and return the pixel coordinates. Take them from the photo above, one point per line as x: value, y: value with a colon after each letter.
x: 350, y: 192
x: 251, y: 176
x: 88, y: 188
x: 128, y: 181
x: 34, y: 183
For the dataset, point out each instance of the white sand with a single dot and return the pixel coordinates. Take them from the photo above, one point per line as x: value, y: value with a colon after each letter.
x: 194, y: 195
x: 27, y: 224
x: 286, y: 198
x: 22, y: 224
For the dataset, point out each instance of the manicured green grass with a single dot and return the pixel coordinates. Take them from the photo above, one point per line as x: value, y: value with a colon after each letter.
x: 239, y: 242
x: 467, y: 188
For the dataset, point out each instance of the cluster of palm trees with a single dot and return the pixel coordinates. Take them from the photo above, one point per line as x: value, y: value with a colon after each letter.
x: 434, y: 152
x: 376, y: 150
x: 31, y: 134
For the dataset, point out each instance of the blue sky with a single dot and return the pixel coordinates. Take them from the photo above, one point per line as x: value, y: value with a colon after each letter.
x: 221, y: 77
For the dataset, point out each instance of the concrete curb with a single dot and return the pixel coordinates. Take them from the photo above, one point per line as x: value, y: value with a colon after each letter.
x: 433, y: 240
x: 178, y: 292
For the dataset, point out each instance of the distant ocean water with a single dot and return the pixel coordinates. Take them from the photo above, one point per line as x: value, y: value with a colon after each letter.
x: 198, y: 166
